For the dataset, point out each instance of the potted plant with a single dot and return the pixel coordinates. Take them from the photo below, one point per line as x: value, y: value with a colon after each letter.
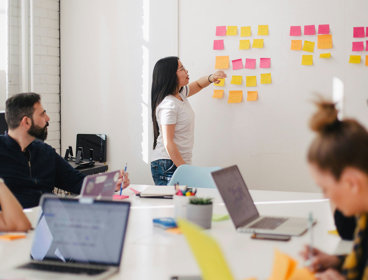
x: 199, y: 211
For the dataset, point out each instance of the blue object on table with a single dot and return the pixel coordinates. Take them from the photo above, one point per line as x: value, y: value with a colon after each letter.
x: 165, y: 223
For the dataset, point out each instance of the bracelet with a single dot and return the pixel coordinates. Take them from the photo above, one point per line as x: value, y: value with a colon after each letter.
x: 209, y: 78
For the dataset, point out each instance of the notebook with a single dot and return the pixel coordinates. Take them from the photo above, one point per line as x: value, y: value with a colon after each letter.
x: 243, y: 211
x: 100, y: 186
x: 158, y: 192
x: 76, y: 239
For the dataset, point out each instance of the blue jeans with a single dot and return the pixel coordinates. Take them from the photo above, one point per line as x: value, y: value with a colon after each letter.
x: 162, y: 171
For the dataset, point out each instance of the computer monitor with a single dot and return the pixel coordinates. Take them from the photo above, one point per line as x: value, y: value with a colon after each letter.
x: 97, y: 142
x: 3, y: 124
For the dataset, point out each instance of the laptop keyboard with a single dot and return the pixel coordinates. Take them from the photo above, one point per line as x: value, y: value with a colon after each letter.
x: 63, y: 269
x: 268, y: 223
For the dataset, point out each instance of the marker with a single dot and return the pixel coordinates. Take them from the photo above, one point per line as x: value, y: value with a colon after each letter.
x: 122, y: 182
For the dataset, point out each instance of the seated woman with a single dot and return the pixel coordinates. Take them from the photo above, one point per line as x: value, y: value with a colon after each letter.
x: 12, y: 217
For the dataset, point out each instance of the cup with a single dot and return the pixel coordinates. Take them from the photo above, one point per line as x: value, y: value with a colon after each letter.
x: 180, y: 206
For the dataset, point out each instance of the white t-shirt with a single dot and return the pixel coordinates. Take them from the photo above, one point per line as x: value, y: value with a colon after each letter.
x: 174, y: 111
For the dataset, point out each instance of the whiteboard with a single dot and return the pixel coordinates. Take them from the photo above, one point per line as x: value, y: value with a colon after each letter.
x: 269, y: 138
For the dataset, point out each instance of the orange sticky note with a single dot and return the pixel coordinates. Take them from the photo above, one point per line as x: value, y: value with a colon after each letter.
x: 355, y: 59
x: 308, y: 46
x: 232, y: 31
x: 11, y: 237
x: 302, y: 274
x: 366, y: 60
x: 325, y: 55
x: 244, y: 44
x: 245, y: 31
x: 296, y: 45
x: 218, y: 93
x: 235, y: 96
x: 266, y: 78
x: 174, y: 230
x: 257, y: 43
x: 222, y: 62
x: 307, y: 59
x: 251, y: 81
x: 283, y: 266
x: 262, y: 30
x: 252, y: 95
x: 324, y: 41
x: 221, y: 83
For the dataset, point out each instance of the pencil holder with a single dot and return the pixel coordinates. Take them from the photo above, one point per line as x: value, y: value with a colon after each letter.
x: 180, y: 206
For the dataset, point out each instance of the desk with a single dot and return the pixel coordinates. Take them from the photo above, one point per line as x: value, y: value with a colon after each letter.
x: 97, y: 168
x: 152, y: 253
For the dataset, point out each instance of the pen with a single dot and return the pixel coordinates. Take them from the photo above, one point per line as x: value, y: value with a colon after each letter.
x: 310, y: 226
x: 122, y: 182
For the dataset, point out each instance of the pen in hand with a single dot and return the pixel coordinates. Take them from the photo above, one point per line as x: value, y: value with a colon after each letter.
x: 122, y: 181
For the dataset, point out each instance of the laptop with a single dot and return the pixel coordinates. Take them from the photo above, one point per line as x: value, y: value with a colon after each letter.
x: 243, y: 211
x: 100, y: 186
x: 77, y: 239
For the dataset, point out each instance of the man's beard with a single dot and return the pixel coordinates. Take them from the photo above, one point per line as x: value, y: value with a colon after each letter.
x: 38, y: 132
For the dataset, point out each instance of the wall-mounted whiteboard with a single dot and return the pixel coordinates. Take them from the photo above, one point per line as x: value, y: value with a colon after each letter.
x: 269, y: 138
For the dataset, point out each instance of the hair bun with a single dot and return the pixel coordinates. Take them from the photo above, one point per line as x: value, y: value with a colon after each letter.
x: 325, y: 118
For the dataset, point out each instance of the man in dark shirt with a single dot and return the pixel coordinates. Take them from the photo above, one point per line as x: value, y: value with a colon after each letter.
x: 29, y: 166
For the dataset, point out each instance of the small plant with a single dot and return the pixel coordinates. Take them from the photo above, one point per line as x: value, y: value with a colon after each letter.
x: 200, y: 200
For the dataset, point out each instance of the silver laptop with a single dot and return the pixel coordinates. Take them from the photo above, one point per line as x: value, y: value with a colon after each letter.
x: 100, y: 186
x: 243, y: 211
x: 77, y: 238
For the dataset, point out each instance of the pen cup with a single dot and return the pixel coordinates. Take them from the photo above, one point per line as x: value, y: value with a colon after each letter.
x: 180, y: 206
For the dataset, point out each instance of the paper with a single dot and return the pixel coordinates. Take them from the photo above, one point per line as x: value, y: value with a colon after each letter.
x: 221, y: 83
x: 235, y: 96
x: 252, y: 95
x: 283, y: 266
x: 355, y: 59
x: 307, y: 59
x: 245, y: 31
x: 324, y: 29
x: 266, y: 78
x: 251, y: 81
x: 265, y: 62
x: 237, y: 64
x: 359, y: 32
x: 218, y: 44
x: 236, y: 80
x: 262, y: 30
x: 220, y: 217
x: 358, y: 46
x: 308, y: 46
x: 333, y: 232
x: 302, y: 274
x: 250, y: 63
x: 222, y: 62
x: 309, y: 30
x: 257, y: 43
x: 174, y: 230
x: 296, y: 45
x: 218, y: 93
x: 118, y: 197
x: 295, y: 30
x: 232, y: 31
x: 11, y: 237
x: 324, y: 41
x: 325, y: 55
x: 366, y: 60
x: 244, y: 44
x: 220, y: 30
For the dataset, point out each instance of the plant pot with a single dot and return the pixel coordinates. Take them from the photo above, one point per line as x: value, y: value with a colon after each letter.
x: 200, y: 214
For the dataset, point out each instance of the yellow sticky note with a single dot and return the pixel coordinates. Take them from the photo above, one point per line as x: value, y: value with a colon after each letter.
x: 218, y: 93
x: 244, y: 44
x: 221, y: 83
x: 235, y: 96
x: 251, y: 81
x: 232, y: 31
x: 245, y: 31
x: 325, y: 55
x: 262, y: 30
x: 302, y: 274
x: 366, y: 60
x: 307, y: 59
x: 308, y: 46
x: 252, y: 95
x: 333, y: 232
x: 324, y: 41
x: 266, y: 78
x: 296, y: 45
x: 257, y: 43
x: 222, y: 62
x: 283, y: 266
x: 355, y: 59
x: 236, y: 80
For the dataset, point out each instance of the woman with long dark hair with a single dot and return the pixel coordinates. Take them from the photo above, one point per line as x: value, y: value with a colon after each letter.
x: 173, y: 117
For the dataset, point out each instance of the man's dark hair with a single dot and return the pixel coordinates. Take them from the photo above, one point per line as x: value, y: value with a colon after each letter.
x: 18, y: 106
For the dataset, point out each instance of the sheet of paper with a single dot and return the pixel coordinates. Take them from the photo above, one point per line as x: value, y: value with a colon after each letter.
x: 236, y: 80
x: 324, y: 41
x: 283, y: 266
x: 244, y: 44
x: 296, y: 45
x: 235, y: 96
x: 250, y: 63
x: 251, y: 81
x: 245, y: 31
x: 308, y: 46
x: 354, y: 59
x: 295, y: 30
x: 232, y: 31
x: 221, y: 83
x: 252, y: 95
x: 358, y: 46
x: 257, y: 43
x: 262, y: 30
x: 307, y: 59
x: 302, y: 273
x: 309, y: 29
x: 266, y: 78
x: 324, y: 29
x: 359, y: 32
x: 237, y: 64
x: 218, y: 44
x: 325, y: 55
x: 220, y: 30
x: 265, y: 62
x: 222, y: 62
x: 218, y: 93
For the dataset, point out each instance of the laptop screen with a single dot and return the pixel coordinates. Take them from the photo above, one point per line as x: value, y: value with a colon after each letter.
x: 72, y: 231
x: 236, y: 196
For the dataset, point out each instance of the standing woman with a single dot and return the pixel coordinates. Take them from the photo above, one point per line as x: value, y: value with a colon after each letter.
x: 173, y: 117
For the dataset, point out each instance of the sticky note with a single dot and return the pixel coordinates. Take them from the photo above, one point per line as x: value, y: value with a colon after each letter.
x: 355, y: 59
x: 252, y: 95
x: 366, y: 60
x: 232, y: 31
x: 295, y: 30
x: 309, y: 30
x: 308, y: 46
x: 358, y: 46
x: 220, y: 217
x: 258, y: 43
x: 119, y: 197
x: 265, y: 62
x: 324, y: 41
x: 222, y: 62
x: 366, y: 45
x: 244, y: 44
x: 11, y: 237
x: 266, y: 78
x: 283, y: 266
x: 262, y: 30
x: 296, y: 45
x: 237, y: 64
x: 324, y: 29
x: 235, y: 96
x: 221, y: 83
x: 302, y: 273
x: 174, y: 230
x: 245, y: 31
x: 333, y: 232
x: 220, y: 30
x: 218, y: 93
x: 251, y: 81
x: 325, y: 55
x: 218, y: 44
x: 359, y: 32
x: 307, y: 59
x: 250, y: 63
x: 236, y: 80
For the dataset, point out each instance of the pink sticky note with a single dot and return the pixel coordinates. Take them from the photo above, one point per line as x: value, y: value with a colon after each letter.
x: 324, y: 29
x: 220, y: 30
x: 116, y: 196
x: 295, y: 30
x: 358, y: 46
x: 265, y: 62
x: 366, y: 45
x: 359, y: 32
x: 218, y: 44
x: 309, y: 30
x: 250, y: 63
x: 237, y: 64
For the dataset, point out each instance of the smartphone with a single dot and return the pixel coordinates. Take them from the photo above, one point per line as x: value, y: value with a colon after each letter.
x: 270, y: 236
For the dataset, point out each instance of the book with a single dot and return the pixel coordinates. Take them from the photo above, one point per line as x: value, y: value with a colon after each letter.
x: 158, y: 192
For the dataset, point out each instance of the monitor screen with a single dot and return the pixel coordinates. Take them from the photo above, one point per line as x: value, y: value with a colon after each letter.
x: 97, y: 142
x: 3, y: 125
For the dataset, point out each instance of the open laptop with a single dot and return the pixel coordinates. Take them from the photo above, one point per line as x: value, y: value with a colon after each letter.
x: 77, y: 239
x: 100, y: 186
x: 243, y: 211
